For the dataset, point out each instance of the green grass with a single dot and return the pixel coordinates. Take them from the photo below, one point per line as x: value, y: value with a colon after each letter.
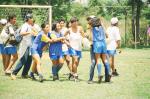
x: 133, y: 82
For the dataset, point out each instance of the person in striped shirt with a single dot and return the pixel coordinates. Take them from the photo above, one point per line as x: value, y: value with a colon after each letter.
x: 55, y: 50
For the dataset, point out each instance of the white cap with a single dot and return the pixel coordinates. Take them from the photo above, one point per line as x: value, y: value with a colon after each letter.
x: 114, y: 20
x: 92, y: 16
x: 3, y: 21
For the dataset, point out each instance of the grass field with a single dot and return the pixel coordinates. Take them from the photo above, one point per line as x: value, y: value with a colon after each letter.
x: 133, y: 82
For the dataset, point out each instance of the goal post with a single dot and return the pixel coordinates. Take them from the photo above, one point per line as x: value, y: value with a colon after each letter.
x: 40, y: 13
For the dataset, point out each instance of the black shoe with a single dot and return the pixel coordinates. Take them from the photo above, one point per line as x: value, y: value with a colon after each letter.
x: 70, y: 76
x: 32, y: 76
x: 55, y: 78
x: 115, y: 73
x: 100, y: 79
x: 41, y: 78
x: 107, y: 78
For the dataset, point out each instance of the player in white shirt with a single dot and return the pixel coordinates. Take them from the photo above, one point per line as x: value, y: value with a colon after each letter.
x: 113, y: 43
x: 65, y: 48
x: 75, y: 40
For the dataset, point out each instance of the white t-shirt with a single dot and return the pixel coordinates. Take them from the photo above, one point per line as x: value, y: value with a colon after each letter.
x: 64, y: 46
x: 75, y: 40
x: 114, y: 36
x: 27, y: 39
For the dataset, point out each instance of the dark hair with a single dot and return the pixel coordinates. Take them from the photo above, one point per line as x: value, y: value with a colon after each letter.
x: 95, y: 22
x: 28, y: 16
x: 61, y: 20
x: 73, y: 19
x: 67, y: 24
x: 54, y: 25
x: 10, y: 17
x: 88, y: 18
x: 44, y: 25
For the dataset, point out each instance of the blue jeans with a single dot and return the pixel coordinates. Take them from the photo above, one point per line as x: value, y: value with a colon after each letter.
x: 26, y: 60
x: 93, y: 63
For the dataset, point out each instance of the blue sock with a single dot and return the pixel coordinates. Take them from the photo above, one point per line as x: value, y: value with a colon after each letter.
x: 59, y: 67
x: 99, y: 69
x: 54, y: 70
x: 107, y: 68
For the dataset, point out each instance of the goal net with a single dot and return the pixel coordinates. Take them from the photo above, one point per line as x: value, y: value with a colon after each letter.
x: 40, y: 13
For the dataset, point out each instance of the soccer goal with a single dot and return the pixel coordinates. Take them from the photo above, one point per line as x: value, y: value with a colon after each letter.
x: 40, y: 13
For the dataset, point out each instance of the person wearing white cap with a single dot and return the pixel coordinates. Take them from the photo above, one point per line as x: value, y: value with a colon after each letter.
x: 10, y: 49
x: 114, y: 43
x: 2, y: 25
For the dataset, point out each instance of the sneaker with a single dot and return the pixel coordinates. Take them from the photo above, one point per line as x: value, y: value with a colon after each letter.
x: 90, y: 82
x: 100, y: 79
x: 107, y: 79
x: 13, y: 77
x: 76, y: 79
x: 115, y: 73
x: 41, y: 78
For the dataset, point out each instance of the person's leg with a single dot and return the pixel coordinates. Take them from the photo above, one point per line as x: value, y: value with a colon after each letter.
x: 7, y: 61
x: 54, y: 69
x: 68, y: 61
x: 4, y: 60
x: 60, y: 62
x: 12, y: 62
x: 33, y: 70
x: 107, y: 68
x: 93, y: 63
x: 27, y: 66
x: 74, y: 66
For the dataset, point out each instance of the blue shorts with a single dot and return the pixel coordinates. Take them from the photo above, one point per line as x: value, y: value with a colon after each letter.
x: 99, y: 47
x: 2, y: 51
x: 55, y: 57
x: 34, y: 51
x: 75, y: 53
x: 111, y: 52
x: 66, y: 52
x: 10, y: 50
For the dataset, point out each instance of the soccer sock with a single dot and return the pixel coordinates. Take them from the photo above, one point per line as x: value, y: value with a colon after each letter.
x: 59, y: 67
x: 99, y: 69
x: 54, y: 70
x: 107, y: 68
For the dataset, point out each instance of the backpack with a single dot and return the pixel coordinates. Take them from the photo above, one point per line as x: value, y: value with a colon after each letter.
x: 15, y: 39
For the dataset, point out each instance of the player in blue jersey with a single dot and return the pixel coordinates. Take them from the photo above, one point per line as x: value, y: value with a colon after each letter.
x: 99, y: 48
x: 40, y: 42
x: 55, y: 50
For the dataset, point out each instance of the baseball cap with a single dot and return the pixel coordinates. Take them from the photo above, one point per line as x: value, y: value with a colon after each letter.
x: 114, y: 20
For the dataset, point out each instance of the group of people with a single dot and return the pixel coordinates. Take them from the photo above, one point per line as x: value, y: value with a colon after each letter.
x: 64, y: 43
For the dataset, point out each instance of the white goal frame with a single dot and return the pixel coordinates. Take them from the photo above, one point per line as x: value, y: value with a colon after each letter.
x: 31, y: 6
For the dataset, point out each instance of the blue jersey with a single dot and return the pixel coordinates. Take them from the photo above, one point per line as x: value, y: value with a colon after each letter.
x: 98, y: 34
x: 38, y: 44
x: 56, y: 47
